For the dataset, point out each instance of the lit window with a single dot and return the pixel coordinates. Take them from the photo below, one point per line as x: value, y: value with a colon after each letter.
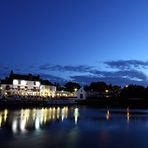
x: 15, y: 82
x: 38, y: 84
x: 23, y: 82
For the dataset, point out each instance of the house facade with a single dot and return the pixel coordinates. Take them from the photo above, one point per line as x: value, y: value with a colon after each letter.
x: 81, y: 94
x: 26, y: 85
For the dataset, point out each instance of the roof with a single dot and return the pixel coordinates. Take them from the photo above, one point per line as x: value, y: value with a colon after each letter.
x: 46, y: 82
x: 6, y: 81
x: 29, y: 77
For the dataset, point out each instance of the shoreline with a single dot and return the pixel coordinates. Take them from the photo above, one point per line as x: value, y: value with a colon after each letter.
x: 62, y: 102
x: 34, y: 103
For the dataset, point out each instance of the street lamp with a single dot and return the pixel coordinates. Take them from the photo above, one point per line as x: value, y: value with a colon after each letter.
x: 75, y: 89
x: 106, y: 90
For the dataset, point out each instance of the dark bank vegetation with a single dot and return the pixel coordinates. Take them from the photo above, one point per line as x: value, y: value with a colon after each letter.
x: 135, y: 96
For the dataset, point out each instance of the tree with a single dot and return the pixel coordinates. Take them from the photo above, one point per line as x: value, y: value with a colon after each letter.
x: 72, y: 86
x: 133, y: 91
x: 97, y: 86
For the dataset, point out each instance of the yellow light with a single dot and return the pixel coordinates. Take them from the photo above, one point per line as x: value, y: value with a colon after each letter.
x: 50, y: 112
x: 107, y: 115
x: 5, y: 114
x: 106, y: 91
x: 53, y: 113
x: 58, y: 113
x: 66, y: 112
x: 128, y: 115
x: 0, y: 120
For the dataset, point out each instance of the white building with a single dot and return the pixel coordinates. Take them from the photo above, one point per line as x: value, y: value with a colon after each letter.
x: 26, y: 85
x: 81, y: 94
x: 47, y: 89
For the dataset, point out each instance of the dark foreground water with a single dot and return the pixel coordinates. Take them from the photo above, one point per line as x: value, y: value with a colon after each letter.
x: 72, y: 127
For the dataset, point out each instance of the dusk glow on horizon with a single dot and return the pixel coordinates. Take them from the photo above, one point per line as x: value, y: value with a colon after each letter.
x: 81, y: 41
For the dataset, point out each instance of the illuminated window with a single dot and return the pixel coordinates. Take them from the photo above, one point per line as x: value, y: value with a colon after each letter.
x: 15, y: 82
x: 23, y: 82
x: 37, y: 84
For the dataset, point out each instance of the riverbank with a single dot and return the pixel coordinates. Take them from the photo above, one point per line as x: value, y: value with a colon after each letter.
x: 99, y: 103
x: 34, y: 103
x: 115, y: 103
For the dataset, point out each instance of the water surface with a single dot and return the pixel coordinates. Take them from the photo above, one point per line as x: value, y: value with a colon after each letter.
x: 72, y: 127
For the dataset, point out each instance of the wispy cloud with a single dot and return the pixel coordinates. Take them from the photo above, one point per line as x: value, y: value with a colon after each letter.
x: 127, y: 64
x: 85, y: 79
x: 131, y: 74
x: 68, y: 68
x: 118, y: 72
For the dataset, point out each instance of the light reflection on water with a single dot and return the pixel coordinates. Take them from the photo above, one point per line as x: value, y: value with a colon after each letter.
x: 73, y: 126
x: 22, y: 119
x: 34, y: 118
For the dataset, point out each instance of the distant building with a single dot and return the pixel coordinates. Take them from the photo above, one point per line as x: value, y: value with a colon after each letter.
x: 81, y: 94
x: 26, y: 85
x: 84, y: 94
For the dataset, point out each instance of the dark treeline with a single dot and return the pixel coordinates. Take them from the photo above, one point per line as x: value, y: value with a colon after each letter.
x: 69, y: 86
x: 103, y: 87
x: 134, y: 91
x: 125, y: 92
x: 112, y: 96
x: 133, y: 96
x: 128, y: 91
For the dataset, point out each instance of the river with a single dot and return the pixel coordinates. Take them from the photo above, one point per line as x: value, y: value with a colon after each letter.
x: 73, y: 127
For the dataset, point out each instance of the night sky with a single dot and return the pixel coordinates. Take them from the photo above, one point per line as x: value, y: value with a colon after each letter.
x: 77, y: 40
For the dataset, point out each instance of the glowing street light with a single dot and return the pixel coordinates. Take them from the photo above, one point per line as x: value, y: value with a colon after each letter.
x: 75, y: 89
x: 106, y: 90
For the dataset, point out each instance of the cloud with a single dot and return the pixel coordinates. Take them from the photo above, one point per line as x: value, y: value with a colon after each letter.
x: 120, y: 77
x: 131, y: 74
x: 121, y: 72
x: 86, y: 79
x: 53, y: 78
x: 127, y: 64
x: 67, y: 68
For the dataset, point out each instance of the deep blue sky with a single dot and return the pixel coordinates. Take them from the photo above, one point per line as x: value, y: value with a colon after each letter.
x: 79, y: 40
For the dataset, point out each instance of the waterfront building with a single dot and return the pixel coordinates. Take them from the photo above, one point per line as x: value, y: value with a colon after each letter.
x: 47, y: 89
x: 26, y: 85
x: 83, y: 94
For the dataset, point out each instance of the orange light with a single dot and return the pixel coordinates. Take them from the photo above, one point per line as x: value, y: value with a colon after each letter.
x: 107, y: 115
